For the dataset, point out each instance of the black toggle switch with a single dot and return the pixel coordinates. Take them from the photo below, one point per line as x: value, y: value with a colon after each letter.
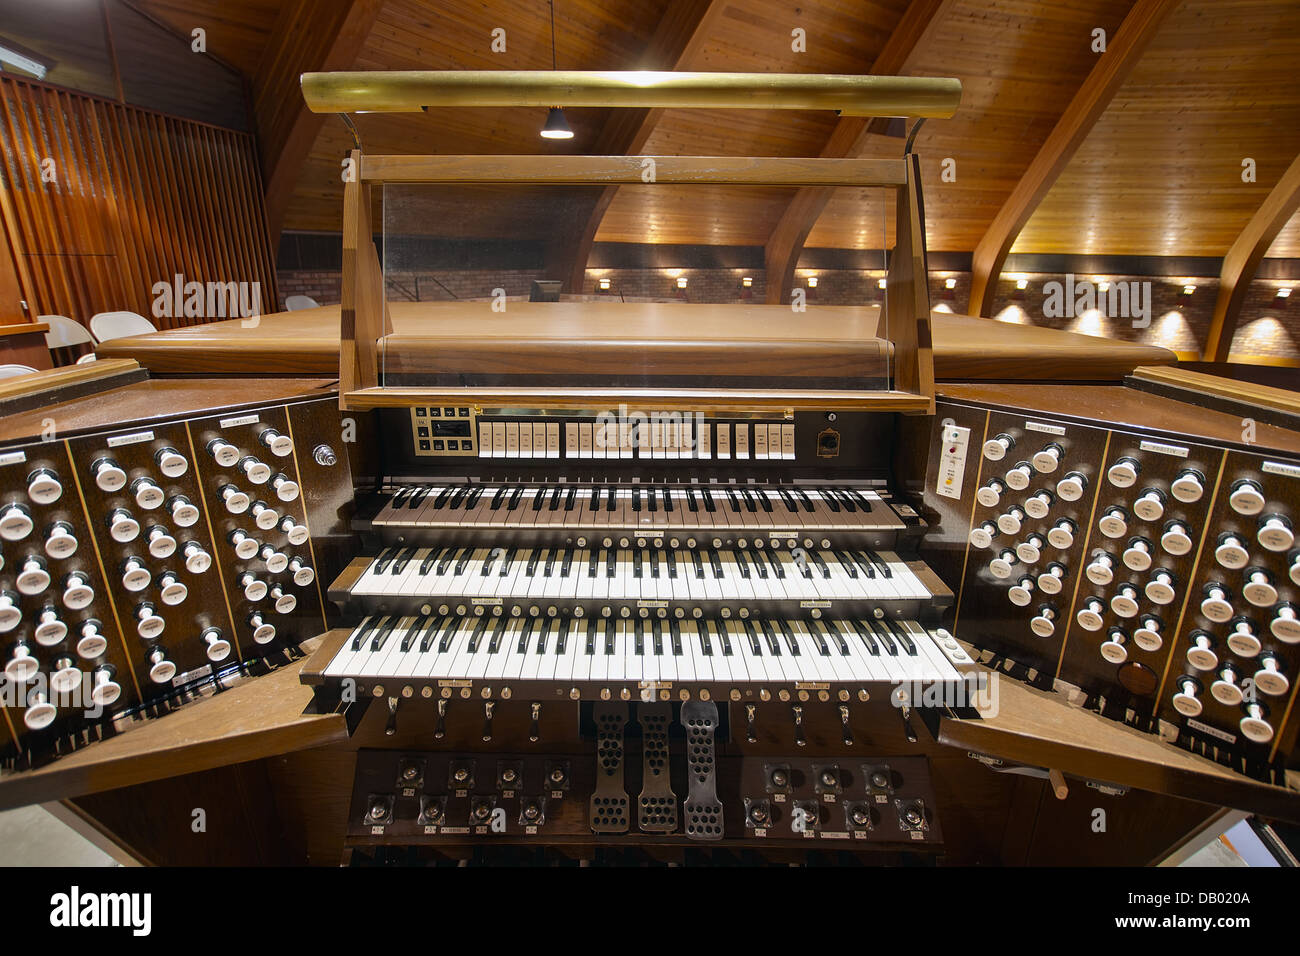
x: 535, y: 715
x: 390, y: 728
x: 440, y: 728
x: 800, y: 740
x: 847, y: 735
x: 488, y: 707
x: 751, y: 711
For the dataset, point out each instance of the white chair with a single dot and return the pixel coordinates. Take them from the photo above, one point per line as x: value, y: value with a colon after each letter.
x: 88, y: 357
x: 65, y: 334
x: 296, y: 302
x: 117, y: 325
x: 13, y: 371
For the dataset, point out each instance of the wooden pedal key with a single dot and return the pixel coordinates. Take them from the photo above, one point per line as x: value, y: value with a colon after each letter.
x: 608, y: 810
x: 703, y: 809
x: 657, y: 807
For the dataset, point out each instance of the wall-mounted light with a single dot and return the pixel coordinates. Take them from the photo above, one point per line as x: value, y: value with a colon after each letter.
x: 950, y: 283
x: 1284, y: 292
x: 812, y: 282
x: 681, y: 282
x: 24, y: 60
x: 747, y: 281
x: 880, y: 283
x: 1103, y: 285
x: 1189, y: 289
x: 1022, y: 284
x: 604, y: 285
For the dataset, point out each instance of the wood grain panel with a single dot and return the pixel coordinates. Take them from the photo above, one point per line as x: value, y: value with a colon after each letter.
x: 127, y: 198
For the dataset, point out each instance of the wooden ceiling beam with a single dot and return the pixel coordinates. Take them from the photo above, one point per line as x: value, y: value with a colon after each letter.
x: 1243, y: 259
x: 682, y: 31
x: 849, y: 137
x: 1113, y: 67
x: 309, y: 36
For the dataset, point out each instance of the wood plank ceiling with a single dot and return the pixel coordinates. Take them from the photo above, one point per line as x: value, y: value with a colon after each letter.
x: 1159, y: 173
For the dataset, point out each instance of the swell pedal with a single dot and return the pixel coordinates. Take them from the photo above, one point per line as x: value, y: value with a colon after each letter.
x: 608, y: 811
x: 703, y: 809
x: 657, y: 809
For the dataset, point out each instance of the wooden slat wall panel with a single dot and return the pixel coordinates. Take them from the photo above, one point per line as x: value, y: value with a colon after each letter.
x: 137, y: 198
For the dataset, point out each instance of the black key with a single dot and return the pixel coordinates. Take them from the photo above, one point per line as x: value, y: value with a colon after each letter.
x: 534, y: 556
x: 567, y: 563
x: 611, y: 632
x: 743, y: 564
x: 363, y: 630
x: 461, y: 493
x: 706, y: 642
x: 562, y: 635
x: 417, y: 499
x: 829, y: 498
x: 801, y: 562
x: 755, y: 641
x: 594, y: 503
x: 790, y: 504
x: 408, y: 637
x: 690, y: 500
x: 699, y: 568
x: 775, y: 562
x: 821, y: 564
x: 514, y: 498
x: 509, y: 562
x: 791, y: 641
x: 611, y: 563
x: 537, y: 499
x: 402, y: 558
x: 636, y: 499
x: 899, y: 633
x: 650, y: 500
x: 657, y: 638
x: 385, y: 558
x: 640, y: 637
x: 610, y: 498
x: 885, y: 638
x: 445, y: 560
x: 760, y: 565
x: 716, y: 561
x: 636, y: 562
x: 591, y: 636
x: 498, y: 629
x: 668, y: 499
x: 880, y: 564
x: 735, y: 502
x: 844, y: 500
x: 543, y: 634
x: 525, y: 634
x: 865, y: 564
x: 863, y: 503
x: 822, y: 647
x: 498, y: 498
x: 751, y: 505
x: 672, y: 562
x: 429, y: 632
x: 723, y: 637
x: 381, y: 635
x: 430, y: 560
x: 550, y: 563
x: 400, y: 497
x: 465, y: 555
x: 477, y: 634
x: 764, y: 500
x: 653, y: 554
x: 592, y: 561
x: 868, y: 638
x: 441, y: 500
x: 834, y: 635
x: 709, y: 505
x: 846, y: 563
x: 448, y: 632
x: 676, y: 633
x: 555, y: 498
x: 488, y: 562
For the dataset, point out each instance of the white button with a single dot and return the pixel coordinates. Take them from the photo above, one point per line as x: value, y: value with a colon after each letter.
x: 78, y: 594
x: 1201, y: 656
x: 1186, y: 702
x: 1043, y: 625
x: 106, y: 690
x: 33, y: 578
x: 50, y: 630
x: 65, y: 679
x: 150, y: 625
x: 161, y: 544
x: 1176, y: 541
x: 39, y: 715
x: 1216, y: 606
x: 218, y: 648
x: 162, y: 670
x: 262, y: 633
x: 1294, y: 571
x: 1049, y: 582
x: 1021, y: 594
x: 1276, y: 534
x: 1256, y: 729
x: 135, y: 576
x: 1009, y: 523
x: 302, y: 574
x: 61, y: 543
x: 245, y: 547
x: 184, y: 513
x: 172, y: 463
x: 1270, y: 680
x: 1187, y: 488
x: 1038, y: 505
x: 43, y: 487
x: 21, y: 667
x: 1231, y: 553
x: 1259, y: 591
x: 254, y: 590
x: 280, y: 445
x: 989, y: 495
x: 1243, y: 642
x: 148, y: 495
x: 1150, y: 507
x: 276, y: 561
x: 172, y: 590
x: 1123, y: 473
x: 225, y: 453
x: 1090, y: 617
x: 980, y: 537
x: 122, y: 527
x: 1114, y: 650
x: 995, y: 449
x: 197, y: 560
x: 10, y: 616
x: 295, y: 533
x: 264, y: 517
x: 1125, y: 602
x: 91, y: 644
x: 1047, y: 460
x: 284, y: 603
x: 1030, y: 551
x: 1148, y: 636
x: 15, y: 523
x: 257, y: 472
x: 108, y: 475
x: 1070, y: 488
x: 1113, y: 524
x: 1061, y: 536
x: 1018, y: 477
x: 1138, y: 556
x: 1285, y: 627
x: 1001, y: 565
x: 285, y: 489
x: 1247, y: 499
x: 1225, y: 690
x: 236, y: 501
x: 1160, y: 590
x: 1099, y: 571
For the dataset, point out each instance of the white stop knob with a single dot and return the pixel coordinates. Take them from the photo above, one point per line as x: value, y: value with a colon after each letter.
x: 109, y: 476
x: 1187, y: 487
x: 1276, y: 534
x: 1242, y: 641
x: 1124, y: 472
x: 44, y: 487
x: 171, y: 462
x: 1160, y: 589
x: 1151, y: 506
x: 15, y: 523
x: 1047, y: 460
x: 1071, y: 487
x: 1089, y: 617
x: 1247, y: 498
x: 995, y: 449
x: 1018, y: 477
x: 1176, y: 540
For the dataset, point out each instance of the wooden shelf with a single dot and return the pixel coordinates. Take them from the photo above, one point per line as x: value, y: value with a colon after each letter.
x: 260, y: 717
